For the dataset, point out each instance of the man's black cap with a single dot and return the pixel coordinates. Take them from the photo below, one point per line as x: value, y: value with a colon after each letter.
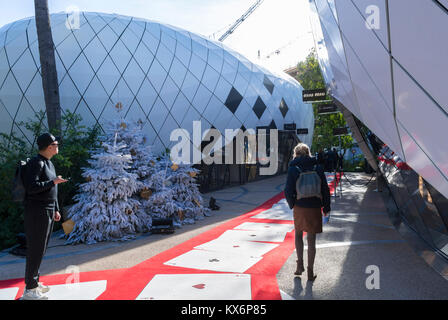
x: 44, y: 140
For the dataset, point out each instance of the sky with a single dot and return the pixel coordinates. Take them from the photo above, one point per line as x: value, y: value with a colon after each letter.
x: 279, y: 29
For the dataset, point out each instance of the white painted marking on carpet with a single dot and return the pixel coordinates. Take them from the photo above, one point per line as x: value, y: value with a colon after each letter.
x: 198, y: 287
x: 238, y: 247
x: 254, y: 235
x: 215, y: 261
x: 275, y: 227
x: 77, y: 291
x: 8, y: 293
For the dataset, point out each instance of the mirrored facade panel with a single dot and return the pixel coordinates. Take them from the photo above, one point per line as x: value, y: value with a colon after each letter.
x: 397, y: 92
x: 388, y: 68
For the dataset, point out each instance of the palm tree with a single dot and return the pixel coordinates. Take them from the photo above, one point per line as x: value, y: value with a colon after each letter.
x: 48, y: 65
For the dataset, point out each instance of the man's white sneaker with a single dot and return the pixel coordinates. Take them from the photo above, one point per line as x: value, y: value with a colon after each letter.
x: 33, y: 294
x: 43, y: 288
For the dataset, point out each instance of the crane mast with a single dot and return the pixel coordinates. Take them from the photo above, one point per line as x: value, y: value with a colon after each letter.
x: 240, y: 20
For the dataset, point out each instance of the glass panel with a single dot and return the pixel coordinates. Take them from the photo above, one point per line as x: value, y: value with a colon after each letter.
x: 180, y: 107
x: 134, y: 76
x: 169, y: 92
x: 164, y: 56
x: 233, y: 100
x: 81, y: 73
x: 190, y: 86
x: 146, y: 96
x: 178, y: 72
x: 158, y: 115
x: 210, y: 78
x: 201, y: 98
x: 259, y: 107
x: 157, y: 75
x: 222, y: 89
x: 197, y: 66
x: 108, y: 75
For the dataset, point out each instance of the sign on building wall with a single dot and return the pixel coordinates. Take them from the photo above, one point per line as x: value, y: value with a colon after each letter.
x: 327, y: 108
x: 289, y: 126
x: 340, y: 131
x: 314, y: 95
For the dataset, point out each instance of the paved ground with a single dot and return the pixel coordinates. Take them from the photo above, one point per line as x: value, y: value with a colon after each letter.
x: 359, y: 235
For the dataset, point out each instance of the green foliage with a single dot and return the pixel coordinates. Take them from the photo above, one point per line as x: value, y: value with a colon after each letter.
x: 355, y: 165
x: 310, y: 77
x: 309, y: 74
x: 76, y: 141
x: 12, y: 149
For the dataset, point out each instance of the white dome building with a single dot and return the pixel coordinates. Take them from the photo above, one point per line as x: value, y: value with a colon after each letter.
x: 165, y: 76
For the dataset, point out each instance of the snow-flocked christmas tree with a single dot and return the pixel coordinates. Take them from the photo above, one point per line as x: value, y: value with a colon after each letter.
x: 143, y: 164
x: 127, y: 187
x: 180, y: 178
x: 105, y: 209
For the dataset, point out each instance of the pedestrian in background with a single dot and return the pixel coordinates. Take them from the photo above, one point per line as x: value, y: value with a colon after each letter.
x: 41, y: 210
x: 332, y: 160
x: 321, y: 158
x: 307, y: 211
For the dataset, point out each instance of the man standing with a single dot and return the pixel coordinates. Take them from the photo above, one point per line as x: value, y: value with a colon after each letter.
x: 41, y: 210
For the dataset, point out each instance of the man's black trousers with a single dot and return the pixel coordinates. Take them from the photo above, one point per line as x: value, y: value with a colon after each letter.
x: 38, y: 226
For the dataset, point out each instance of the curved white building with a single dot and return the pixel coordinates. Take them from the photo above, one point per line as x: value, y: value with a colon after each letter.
x: 386, y: 62
x: 165, y: 76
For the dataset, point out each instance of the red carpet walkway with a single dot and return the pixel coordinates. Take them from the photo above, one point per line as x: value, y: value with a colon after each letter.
x: 239, y: 259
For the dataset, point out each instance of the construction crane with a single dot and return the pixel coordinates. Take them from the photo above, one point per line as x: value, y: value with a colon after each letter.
x: 279, y: 50
x: 240, y: 20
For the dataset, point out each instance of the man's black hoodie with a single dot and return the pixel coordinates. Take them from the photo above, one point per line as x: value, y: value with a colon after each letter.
x: 39, y: 183
x: 306, y: 163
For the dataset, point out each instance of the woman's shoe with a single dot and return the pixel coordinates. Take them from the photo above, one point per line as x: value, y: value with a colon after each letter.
x: 299, y: 269
x: 311, y: 275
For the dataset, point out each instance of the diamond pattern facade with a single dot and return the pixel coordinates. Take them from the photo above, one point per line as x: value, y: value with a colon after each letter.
x: 165, y: 76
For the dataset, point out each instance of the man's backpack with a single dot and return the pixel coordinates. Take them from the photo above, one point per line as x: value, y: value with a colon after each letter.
x: 308, y: 184
x: 18, y: 185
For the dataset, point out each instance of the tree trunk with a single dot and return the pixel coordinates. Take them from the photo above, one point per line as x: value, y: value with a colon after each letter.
x: 48, y: 65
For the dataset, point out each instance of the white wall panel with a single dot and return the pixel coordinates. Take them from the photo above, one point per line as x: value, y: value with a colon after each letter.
x: 371, y: 53
x: 375, y: 113
x: 422, y: 119
x: 329, y: 22
x: 417, y: 36
x: 343, y: 89
x: 374, y: 12
x: 419, y: 43
x: 421, y: 163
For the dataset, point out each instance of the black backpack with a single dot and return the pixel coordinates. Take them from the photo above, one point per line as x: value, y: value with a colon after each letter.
x: 18, y: 185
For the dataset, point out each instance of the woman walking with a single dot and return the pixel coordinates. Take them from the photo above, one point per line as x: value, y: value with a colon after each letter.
x: 307, y: 206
